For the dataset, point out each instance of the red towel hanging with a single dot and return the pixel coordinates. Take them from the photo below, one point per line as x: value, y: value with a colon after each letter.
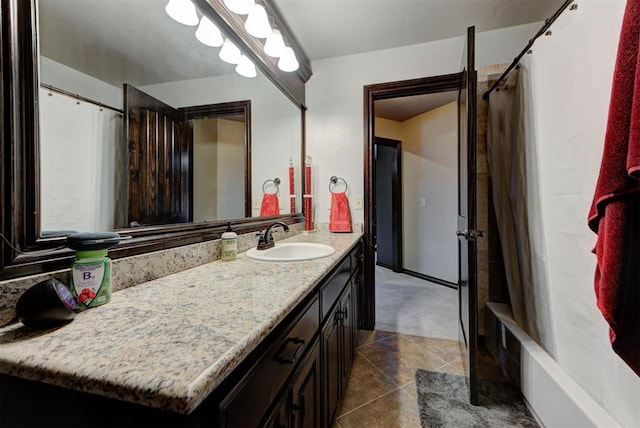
x: 615, y: 211
x: 340, y: 217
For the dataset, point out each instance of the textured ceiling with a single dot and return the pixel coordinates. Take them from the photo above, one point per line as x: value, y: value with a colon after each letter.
x: 124, y: 41
x: 331, y: 28
x: 136, y: 42
x: 404, y: 108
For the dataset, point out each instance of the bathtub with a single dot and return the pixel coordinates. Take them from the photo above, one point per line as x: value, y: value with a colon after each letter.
x: 554, y: 398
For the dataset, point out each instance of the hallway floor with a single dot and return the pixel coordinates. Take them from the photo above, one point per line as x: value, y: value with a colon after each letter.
x: 409, y: 305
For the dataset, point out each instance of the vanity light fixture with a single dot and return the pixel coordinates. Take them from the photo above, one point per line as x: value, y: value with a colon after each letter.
x: 241, y: 7
x: 229, y: 52
x: 288, y: 61
x: 209, y: 34
x: 274, y: 46
x: 182, y: 11
x: 257, y: 23
x: 245, y: 67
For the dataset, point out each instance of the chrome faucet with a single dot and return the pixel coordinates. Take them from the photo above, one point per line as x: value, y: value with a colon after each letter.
x: 266, y: 240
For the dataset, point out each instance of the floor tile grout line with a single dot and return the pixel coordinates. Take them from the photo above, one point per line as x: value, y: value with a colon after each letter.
x: 378, y: 340
x: 426, y: 348
x: 400, y: 336
x: 379, y: 369
x: 394, y: 384
x: 368, y: 402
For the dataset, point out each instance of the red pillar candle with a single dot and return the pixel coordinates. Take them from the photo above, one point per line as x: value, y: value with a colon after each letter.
x: 292, y: 195
x: 308, y: 200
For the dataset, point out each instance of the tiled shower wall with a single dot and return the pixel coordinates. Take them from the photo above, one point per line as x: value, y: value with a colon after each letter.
x: 492, y: 283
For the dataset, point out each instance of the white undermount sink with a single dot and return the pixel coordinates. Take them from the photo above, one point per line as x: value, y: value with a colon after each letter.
x: 291, y: 252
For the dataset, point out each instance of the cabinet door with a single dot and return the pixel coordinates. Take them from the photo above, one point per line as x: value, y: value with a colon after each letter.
x: 348, y: 325
x: 306, y: 393
x: 331, y: 365
x: 280, y: 416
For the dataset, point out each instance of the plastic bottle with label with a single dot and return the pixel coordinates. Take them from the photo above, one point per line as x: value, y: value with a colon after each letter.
x: 91, y: 279
x: 229, y: 244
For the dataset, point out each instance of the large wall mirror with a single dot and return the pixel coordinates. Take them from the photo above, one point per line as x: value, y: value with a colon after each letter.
x: 140, y: 127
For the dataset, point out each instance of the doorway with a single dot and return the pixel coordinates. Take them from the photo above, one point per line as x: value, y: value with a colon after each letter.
x: 465, y: 84
x: 415, y: 184
x: 377, y: 98
x: 388, y: 209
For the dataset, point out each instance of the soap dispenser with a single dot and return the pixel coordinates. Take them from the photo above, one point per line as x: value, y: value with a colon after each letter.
x: 229, y: 244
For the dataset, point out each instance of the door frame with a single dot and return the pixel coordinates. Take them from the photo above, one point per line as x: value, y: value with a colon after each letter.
x: 396, y: 202
x: 219, y: 109
x: 372, y: 93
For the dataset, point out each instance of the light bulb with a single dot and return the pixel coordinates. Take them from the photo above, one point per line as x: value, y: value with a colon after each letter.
x: 257, y: 23
x: 245, y: 67
x: 241, y: 7
x: 274, y: 46
x: 288, y: 61
x: 229, y: 52
x: 208, y: 33
x: 182, y: 11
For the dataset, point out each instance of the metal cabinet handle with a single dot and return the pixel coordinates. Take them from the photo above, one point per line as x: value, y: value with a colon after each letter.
x: 284, y: 357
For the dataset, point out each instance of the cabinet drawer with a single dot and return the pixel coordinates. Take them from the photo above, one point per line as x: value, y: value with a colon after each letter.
x: 330, y: 291
x: 247, y: 403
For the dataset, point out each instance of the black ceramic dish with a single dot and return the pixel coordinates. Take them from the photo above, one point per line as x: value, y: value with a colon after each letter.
x: 47, y: 304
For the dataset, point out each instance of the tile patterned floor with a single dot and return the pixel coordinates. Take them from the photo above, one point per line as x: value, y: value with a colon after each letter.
x: 381, y: 391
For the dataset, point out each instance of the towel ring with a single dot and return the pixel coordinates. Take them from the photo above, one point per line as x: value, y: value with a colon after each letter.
x: 334, y: 180
x: 276, y: 184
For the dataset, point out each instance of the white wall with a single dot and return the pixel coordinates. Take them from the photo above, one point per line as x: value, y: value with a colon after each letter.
x: 335, y: 99
x: 230, y: 194
x: 571, y: 76
x: 205, y: 157
x: 71, y: 80
x: 387, y: 128
x: 430, y: 171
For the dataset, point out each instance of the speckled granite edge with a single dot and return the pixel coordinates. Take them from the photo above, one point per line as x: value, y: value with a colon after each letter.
x: 218, y: 311
x: 324, y: 227
x: 130, y: 271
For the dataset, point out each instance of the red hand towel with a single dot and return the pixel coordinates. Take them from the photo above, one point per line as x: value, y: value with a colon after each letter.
x: 340, y: 218
x: 615, y: 211
x: 269, y: 205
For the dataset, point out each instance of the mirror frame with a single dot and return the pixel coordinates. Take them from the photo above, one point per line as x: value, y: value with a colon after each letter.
x: 19, y: 155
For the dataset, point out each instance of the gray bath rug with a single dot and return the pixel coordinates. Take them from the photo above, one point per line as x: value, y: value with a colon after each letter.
x: 443, y: 401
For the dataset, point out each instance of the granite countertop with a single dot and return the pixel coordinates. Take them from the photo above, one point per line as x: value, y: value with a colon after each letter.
x: 170, y: 342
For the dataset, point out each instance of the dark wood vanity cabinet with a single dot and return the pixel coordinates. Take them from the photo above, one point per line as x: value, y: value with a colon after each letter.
x: 319, y: 376
x: 339, y: 333
x: 299, y: 405
x: 339, y: 336
x: 294, y: 378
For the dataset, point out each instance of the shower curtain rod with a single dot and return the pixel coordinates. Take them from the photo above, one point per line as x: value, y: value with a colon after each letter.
x: 79, y: 97
x: 541, y: 31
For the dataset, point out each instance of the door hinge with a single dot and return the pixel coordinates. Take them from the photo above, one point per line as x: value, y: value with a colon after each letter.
x: 470, y: 235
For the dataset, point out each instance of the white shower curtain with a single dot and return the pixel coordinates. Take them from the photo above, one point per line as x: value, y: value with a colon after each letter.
x: 514, y: 178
